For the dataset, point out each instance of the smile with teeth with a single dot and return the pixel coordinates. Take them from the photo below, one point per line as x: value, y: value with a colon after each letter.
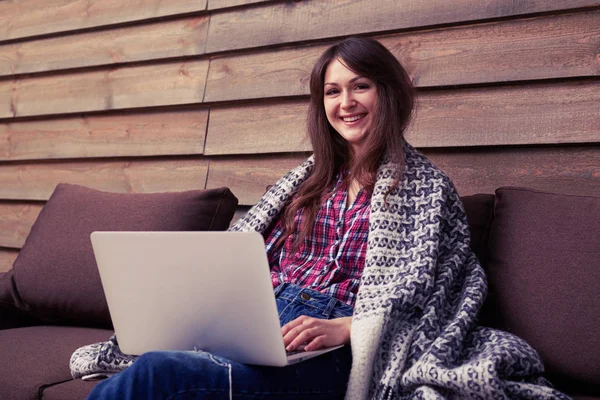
x: 353, y: 118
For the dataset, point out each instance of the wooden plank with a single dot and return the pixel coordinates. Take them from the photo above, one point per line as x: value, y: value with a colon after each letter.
x: 530, y: 114
x: 248, y: 177
x: 37, y: 181
x: 537, y: 48
x: 7, y: 258
x: 513, y: 115
x: 115, y: 88
x: 182, y: 37
x: 544, y: 47
x: 559, y: 169
x: 105, y: 135
x: 16, y: 219
x: 217, y: 4
x: 264, y: 74
x: 261, y: 128
x: 288, y: 21
x: 24, y: 18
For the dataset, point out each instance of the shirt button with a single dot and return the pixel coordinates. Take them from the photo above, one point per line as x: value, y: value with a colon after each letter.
x: 305, y: 296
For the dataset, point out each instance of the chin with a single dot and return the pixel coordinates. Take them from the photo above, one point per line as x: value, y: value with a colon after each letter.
x: 356, y: 139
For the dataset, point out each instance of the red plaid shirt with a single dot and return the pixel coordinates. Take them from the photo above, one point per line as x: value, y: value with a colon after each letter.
x: 331, y: 258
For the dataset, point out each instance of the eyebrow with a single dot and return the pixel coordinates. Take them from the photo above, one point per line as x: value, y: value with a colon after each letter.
x: 351, y: 81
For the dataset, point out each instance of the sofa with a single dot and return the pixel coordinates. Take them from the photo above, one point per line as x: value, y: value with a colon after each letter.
x: 540, y: 250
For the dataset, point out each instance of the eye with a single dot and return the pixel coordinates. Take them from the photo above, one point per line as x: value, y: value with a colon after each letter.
x: 362, y: 86
x: 331, y: 92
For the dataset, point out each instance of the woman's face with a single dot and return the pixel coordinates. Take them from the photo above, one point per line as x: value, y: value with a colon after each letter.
x: 349, y: 101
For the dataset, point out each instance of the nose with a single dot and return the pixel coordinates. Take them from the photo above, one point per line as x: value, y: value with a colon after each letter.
x: 347, y: 100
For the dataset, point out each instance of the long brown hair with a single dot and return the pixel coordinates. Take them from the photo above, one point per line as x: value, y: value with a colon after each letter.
x: 395, y: 99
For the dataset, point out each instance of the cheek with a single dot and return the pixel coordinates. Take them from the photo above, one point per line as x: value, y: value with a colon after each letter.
x: 329, y: 112
x: 374, y: 102
x: 370, y: 101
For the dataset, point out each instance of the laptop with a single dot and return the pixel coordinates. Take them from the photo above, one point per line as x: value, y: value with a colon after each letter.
x: 207, y: 291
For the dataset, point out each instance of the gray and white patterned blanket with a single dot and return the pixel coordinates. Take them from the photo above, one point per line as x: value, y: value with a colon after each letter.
x: 414, y: 330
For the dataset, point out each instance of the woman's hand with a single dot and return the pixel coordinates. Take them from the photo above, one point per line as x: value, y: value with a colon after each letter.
x: 316, y: 333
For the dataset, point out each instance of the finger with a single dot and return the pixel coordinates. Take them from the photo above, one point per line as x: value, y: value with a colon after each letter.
x: 294, y: 335
x: 300, y: 324
x: 292, y: 324
x: 304, y: 336
x: 316, y: 344
x: 294, y: 328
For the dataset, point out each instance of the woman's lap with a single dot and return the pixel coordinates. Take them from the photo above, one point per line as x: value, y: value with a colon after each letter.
x: 201, y: 375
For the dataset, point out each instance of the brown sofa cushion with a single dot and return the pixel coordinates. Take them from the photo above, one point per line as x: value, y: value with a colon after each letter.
x: 55, y: 277
x: 544, y: 269
x: 38, y: 356
x: 70, y: 390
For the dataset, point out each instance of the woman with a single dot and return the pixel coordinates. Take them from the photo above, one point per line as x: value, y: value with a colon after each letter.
x: 369, y: 230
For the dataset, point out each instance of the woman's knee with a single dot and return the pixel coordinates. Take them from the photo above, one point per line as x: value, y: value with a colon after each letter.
x: 178, y: 362
x: 182, y: 374
x: 153, y: 362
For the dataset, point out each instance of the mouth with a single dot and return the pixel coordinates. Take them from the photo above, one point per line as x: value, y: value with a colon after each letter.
x: 353, y: 118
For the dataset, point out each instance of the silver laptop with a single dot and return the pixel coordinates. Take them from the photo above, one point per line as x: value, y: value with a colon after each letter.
x: 207, y: 291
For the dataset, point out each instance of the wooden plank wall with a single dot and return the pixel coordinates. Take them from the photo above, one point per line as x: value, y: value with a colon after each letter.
x: 190, y: 94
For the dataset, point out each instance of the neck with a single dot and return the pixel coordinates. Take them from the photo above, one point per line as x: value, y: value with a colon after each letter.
x: 353, y: 189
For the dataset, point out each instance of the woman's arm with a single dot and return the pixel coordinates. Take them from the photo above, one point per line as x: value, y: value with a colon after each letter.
x: 316, y: 333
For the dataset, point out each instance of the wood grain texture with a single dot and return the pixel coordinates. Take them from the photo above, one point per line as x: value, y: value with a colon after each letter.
x: 262, y: 128
x: 511, y: 115
x: 159, y: 40
x: 16, y: 220
x: 37, y: 181
x: 115, y: 88
x: 263, y: 74
x: 105, y: 135
x: 248, y: 177
x: 217, y: 4
x: 538, y: 48
x: 7, y: 258
x: 557, y: 169
x: 546, y: 47
x: 23, y: 18
x: 528, y: 114
x: 289, y: 21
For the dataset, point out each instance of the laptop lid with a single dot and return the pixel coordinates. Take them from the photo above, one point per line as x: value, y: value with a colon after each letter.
x: 191, y: 290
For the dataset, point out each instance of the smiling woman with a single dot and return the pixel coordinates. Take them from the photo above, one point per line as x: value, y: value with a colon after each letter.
x: 377, y: 234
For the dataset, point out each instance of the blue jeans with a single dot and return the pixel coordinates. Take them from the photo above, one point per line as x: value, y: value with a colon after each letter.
x: 201, y: 375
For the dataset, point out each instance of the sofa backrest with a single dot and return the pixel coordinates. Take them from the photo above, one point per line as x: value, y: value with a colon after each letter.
x: 539, y: 250
x: 542, y: 258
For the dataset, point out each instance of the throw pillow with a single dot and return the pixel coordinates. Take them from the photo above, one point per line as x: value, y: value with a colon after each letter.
x: 55, y: 276
x: 544, y: 270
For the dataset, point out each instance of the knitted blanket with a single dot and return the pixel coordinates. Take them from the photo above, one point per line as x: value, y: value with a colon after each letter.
x: 414, y: 332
